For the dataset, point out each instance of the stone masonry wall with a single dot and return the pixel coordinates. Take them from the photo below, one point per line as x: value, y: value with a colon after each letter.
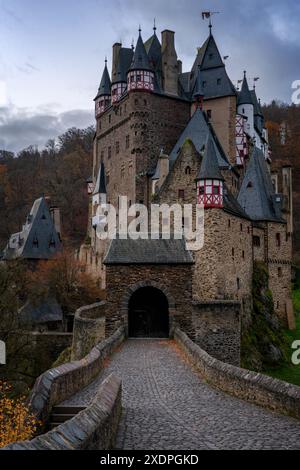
x: 217, y: 326
x: 280, y: 271
x: 223, y: 114
x: 254, y: 387
x: 89, y: 329
x: 94, y: 428
x: 174, y: 281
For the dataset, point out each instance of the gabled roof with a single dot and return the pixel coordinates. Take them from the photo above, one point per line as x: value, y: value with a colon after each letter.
x: 123, y: 64
x: 158, y: 252
x: 140, y: 58
x: 257, y: 196
x: 210, y: 166
x: 244, y: 96
x: 105, y: 84
x: 198, y: 131
x: 100, y: 187
x: 38, y: 239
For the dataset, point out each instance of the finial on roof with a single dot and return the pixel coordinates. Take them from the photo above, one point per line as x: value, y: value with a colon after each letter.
x: 245, y: 73
x: 132, y: 44
x: 105, y: 60
x: 154, y: 27
x: 140, y: 29
x: 210, y: 26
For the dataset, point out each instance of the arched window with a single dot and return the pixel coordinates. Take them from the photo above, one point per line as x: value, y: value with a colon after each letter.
x: 188, y: 170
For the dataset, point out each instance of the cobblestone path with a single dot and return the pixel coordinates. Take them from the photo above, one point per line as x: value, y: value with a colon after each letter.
x: 167, y: 406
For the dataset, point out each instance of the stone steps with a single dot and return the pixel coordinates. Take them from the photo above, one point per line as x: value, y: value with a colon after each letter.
x: 61, y: 414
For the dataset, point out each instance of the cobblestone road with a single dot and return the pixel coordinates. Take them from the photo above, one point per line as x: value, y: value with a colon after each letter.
x: 167, y: 406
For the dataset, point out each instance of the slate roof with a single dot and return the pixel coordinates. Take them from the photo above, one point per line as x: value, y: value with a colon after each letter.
x: 47, y: 311
x: 100, y: 187
x: 198, y: 90
x: 105, y: 84
x: 257, y: 108
x: 257, y: 196
x: 210, y: 166
x: 153, y: 49
x: 158, y: 252
x: 124, y: 62
x: 198, y: 130
x: 230, y: 204
x: 34, y: 241
x: 140, y: 59
x: 214, y: 75
x: 244, y: 96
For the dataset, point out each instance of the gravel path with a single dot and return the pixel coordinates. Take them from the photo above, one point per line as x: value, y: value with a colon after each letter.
x: 167, y: 406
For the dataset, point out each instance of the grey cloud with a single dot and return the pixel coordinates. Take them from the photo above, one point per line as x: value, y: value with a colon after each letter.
x: 20, y: 128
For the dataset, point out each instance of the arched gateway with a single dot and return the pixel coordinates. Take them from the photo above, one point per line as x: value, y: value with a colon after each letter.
x: 148, y: 314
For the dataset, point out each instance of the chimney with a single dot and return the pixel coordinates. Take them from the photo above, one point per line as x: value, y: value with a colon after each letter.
x: 169, y: 63
x: 179, y: 65
x: 116, y: 52
x: 55, y: 215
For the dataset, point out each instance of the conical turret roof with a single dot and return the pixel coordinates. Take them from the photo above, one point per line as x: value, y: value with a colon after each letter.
x: 198, y: 90
x: 245, y: 95
x: 100, y: 187
x: 105, y: 84
x: 140, y: 59
x: 210, y: 166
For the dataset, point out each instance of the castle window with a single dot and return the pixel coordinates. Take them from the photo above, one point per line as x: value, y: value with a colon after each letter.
x: 211, y: 56
x: 117, y: 147
x: 229, y: 223
x: 232, y: 251
x: 278, y: 240
x: 109, y: 119
x: 238, y: 282
x: 145, y: 102
x: 243, y: 254
x: 136, y: 101
x: 249, y: 185
x: 204, y: 84
x: 127, y: 141
x: 241, y: 226
x: 219, y: 81
x: 279, y: 272
x: 256, y: 241
x: 248, y: 229
x: 35, y: 242
x: 109, y: 152
x: 188, y: 170
x: 181, y: 194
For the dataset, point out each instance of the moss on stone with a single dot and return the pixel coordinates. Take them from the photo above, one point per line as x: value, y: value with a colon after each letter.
x: 264, y: 343
x: 63, y: 358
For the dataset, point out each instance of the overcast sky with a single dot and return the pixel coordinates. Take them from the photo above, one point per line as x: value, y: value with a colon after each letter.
x: 52, y: 53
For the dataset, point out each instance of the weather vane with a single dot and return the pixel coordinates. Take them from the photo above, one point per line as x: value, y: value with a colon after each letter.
x: 208, y: 15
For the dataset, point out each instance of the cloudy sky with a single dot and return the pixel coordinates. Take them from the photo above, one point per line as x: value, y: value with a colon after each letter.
x: 52, y: 53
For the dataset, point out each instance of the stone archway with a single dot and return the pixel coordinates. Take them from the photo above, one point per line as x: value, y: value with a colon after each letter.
x: 148, y: 310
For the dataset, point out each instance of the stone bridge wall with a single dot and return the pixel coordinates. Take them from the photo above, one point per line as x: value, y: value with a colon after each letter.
x: 216, y: 328
x: 94, y: 428
x: 254, y: 387
x: 89, y: 329
x: 57, y: 385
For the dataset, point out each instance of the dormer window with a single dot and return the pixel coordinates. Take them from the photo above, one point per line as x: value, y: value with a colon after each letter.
x: 249, y: 185
x: 35, y: 242
x: 211, y: 56
x: 219, y: 81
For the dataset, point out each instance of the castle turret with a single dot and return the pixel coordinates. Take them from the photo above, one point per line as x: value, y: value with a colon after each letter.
x: 245, y: 106
x: 99, y: 195
x: 140, y: 75
x: 210, y: 182
x: 103, y: 98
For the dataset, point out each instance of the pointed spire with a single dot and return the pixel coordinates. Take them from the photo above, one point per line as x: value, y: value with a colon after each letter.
x: 245, y: 95
x: 140, y: 59
x: 105, y: 85
x: 210, y: 165
x: 198, y: 90
x: 100, y: 187
x: 154, y: 26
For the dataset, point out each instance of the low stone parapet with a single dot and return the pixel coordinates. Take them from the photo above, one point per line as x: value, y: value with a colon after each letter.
x: 59, y: 384
x: 94, y: 428
x: 253, y: 387
x: 89, y: 329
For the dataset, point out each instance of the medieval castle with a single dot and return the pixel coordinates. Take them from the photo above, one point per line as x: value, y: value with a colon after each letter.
x: 170, y: 136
